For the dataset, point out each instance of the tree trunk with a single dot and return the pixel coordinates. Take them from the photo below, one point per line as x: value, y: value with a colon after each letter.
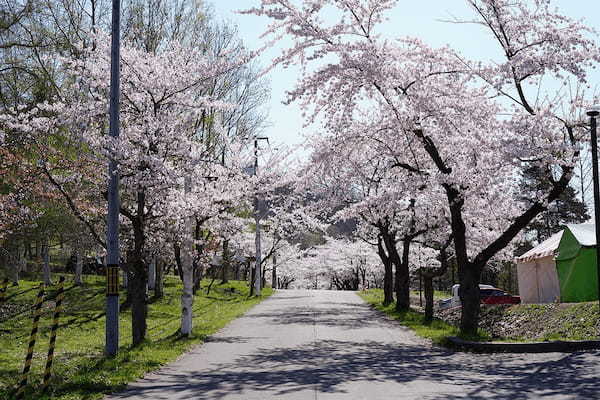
x: 402, y: 275
x: 129, y: 292
x: 198, y: 276
x: 388, y: 277
x: 187, y: 297
x: 78, y: 266
x: 22, y: 262
x: 428, y: 291
x: 225, y: 261
x: 187, y: 271
x: 159, y: 286
x: 125, y: 280
x: 152, y: 273
x: 16, y: 265
x: 468, y: 273
x: 177, y: 253
x: 470, y: 277
x: 252, y: 277
x: 46, y: 264
x: 274, y: 273
x: 138, y: 276
x: 139, y: 305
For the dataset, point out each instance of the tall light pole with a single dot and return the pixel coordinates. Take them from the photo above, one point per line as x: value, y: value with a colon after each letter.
x: 112, y: 234
x: 593, y: 113
x: 257, y: 267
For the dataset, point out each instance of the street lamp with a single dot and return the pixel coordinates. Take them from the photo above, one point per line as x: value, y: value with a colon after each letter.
x: 593, y: 113
x: 112, y: 220
x: 257, y: 268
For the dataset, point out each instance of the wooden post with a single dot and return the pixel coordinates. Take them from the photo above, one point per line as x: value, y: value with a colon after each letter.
x: 37, y: 311
x: 57, y: 309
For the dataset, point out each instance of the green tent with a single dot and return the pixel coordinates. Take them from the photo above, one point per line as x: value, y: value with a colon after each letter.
x: 576, y: 264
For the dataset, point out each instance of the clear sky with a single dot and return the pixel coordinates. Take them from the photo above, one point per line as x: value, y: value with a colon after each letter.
x: 422, y: 18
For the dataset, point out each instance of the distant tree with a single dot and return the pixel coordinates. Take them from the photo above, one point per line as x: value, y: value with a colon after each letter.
x: 566, y: 209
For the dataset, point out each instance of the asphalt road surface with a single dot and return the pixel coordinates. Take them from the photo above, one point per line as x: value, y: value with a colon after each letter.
x: 330, y: 345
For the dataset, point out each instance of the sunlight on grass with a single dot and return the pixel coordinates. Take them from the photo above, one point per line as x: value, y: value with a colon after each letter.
x: 437, y: 330
x: 80, y: 370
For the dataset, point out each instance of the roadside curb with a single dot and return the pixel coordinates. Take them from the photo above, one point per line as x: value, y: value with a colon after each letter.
x: 557, y: 346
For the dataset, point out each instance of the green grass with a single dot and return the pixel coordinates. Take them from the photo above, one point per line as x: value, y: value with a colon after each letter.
x: 80, y: 370
x: 567, y: 321
x: 437, y: 294
x: 437, y: 330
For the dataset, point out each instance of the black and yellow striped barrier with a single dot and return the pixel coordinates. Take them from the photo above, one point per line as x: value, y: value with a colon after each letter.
x: 60, y: 294
x: 3, y: 289
x: 112, y: 280
x: 37, y: 311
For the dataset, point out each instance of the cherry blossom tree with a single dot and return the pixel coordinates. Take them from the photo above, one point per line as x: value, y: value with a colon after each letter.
x: 358, y: 178
x: 160, y: 146
x: 468, y: 128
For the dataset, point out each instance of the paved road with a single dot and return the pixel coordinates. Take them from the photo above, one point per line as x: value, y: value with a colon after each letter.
x: 330, y: 345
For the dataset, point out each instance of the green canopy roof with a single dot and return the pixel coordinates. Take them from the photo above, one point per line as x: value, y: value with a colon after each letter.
x: 576, y: 264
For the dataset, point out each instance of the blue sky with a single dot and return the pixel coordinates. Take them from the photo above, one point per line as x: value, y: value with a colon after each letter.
x: 422, y: 19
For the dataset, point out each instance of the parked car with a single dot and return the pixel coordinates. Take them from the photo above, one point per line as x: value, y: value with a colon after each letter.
x: 489, y: 295
x: 497, y: 296
x: 91, y: 265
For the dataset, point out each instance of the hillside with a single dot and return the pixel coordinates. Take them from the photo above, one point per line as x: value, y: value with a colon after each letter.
x: 555, y: 321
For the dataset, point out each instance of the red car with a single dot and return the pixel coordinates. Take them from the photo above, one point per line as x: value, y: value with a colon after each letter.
x: 498, y: 296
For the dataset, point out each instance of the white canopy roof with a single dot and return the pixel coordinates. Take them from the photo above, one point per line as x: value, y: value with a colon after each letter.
x: 584, y: 233
x: 544, y: 249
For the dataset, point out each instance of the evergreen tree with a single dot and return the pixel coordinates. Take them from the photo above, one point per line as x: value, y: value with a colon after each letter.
x: 567, y: 209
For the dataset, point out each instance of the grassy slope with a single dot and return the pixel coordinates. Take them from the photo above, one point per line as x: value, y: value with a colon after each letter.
x: 522, y: 322
x: 80, y: 371
x: 438, y: 330
x: 568, y: 321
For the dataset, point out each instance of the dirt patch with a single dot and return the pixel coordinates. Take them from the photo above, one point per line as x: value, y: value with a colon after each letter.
x: 9, y: 310
x: 567, y: 321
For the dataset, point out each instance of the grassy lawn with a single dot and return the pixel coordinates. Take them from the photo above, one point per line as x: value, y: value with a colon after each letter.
x: 437, y: 294
x: 438, y: 331
x: 80, y: 370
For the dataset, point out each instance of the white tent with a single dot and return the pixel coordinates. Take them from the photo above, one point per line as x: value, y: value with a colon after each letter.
x: 536, y: 271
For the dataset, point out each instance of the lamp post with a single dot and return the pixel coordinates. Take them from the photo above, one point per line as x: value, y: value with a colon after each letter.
x: 257, y: 267
x: 112, y: 233
x: 593, y: 112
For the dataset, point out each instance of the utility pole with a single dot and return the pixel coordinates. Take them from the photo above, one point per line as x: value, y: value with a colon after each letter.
x: 593, y: 113
x: 257, y: 267
x: 112, y: 234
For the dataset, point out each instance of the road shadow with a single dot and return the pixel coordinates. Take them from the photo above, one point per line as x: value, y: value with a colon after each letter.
x: 328, y: 366
x: 339, y: 315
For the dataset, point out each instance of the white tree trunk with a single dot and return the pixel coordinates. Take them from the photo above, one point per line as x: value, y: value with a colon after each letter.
x: 187, y: 298
x: 46, y: 255
x: 152, y: 274
x: 78, y: 266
